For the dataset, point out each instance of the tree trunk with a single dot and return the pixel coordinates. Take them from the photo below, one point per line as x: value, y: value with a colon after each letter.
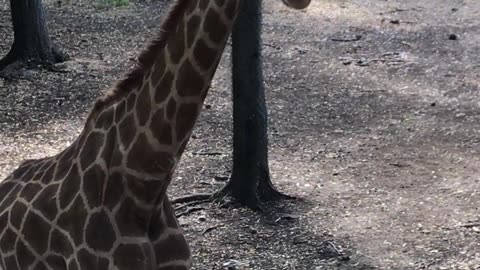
x: 250, y: 181
x: 31, y: 43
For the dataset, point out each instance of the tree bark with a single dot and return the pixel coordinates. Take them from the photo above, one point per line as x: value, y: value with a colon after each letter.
x: 31, y: 43
x: 250, y: 181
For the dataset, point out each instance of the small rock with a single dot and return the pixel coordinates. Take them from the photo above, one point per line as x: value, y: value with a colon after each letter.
x: 452, y: 37
x: 395, y: 21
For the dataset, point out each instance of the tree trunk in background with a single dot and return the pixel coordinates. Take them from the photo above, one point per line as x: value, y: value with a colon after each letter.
x: 31, y: 44
x: 250, y: 181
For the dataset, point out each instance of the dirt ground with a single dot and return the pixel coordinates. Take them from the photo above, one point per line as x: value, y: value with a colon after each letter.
x: 374, y: 122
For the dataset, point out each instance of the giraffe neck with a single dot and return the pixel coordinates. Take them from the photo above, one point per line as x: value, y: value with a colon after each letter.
x: 140, y: 128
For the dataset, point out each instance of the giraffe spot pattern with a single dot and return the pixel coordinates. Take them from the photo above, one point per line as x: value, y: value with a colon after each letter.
x: 143, y: 106
x: 73, y: 220
x: 11, y: 263
x: 161, y: 129
x: 171, y: 108
x: 126, y: 130
x: 186, y: 116
x: 105, y: 119
x: 60, y: 243
x: 193, y: 26
x: 132, y: 220
x: 214, y: 27
x: 23, y: 252
x: 188, y: 81
x: 164, y: 87
x: 128, y: 256
x: 17, y: 213
x: 143, y: 158
x: 158, y: 69
x: 8, y: 241
x: 205, y: 56
x: 36, y: 230
x: 120, y: 110
x: 88, y: 260
x: 69, y: 187
x: 30, y: 190
x: 93, y: 183
x: 113, y: 191
x: 174, y: 247
x: 99, y: 234
x: 109, y: 146
x: 46, y: 202
x: 142, y: 189
x: 91, y: 149
x: 176, y: 44
x: 56, y: 262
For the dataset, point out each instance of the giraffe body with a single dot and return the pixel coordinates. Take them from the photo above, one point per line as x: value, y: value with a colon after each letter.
x: 101, y: 204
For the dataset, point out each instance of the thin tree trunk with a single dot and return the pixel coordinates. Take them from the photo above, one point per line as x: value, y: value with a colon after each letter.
x: 250, y: 181
x: 31, y: 43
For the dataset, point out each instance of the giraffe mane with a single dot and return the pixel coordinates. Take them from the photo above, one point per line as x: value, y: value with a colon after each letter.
x: 145, y: 60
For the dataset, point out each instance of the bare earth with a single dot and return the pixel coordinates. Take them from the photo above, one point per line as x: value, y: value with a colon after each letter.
x: 374, y: 121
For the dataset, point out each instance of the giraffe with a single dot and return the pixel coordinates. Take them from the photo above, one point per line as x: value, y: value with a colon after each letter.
x: 101, y: 203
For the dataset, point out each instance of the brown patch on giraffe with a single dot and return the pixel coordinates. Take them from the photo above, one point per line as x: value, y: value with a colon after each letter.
x: 193, y: 25
x: 143, y: 157
x: 143, y: 105
x: 11, y: 262
x: 120, y: 111
x: 203, y: 4
x: 37, y: 231
x: 188, y: 81
x: 6, y: 188
x: 158, y: 69
x: 69, y: 187
x: 131, y: 101
x: 56, y: 262
x: 144, y: 190
x: 11, y: 197
x: 88, y: 260
x: 186, y: 115
x: 47, y: 176
x: 99, y: 233
x: 171, y: 108
x: 109, y: 146
x: 131, y: 219
x: 17, y: 213
x: 62, y: 169
x: 60, y: 243
x: 93, y: 185
x: 3, y: 221
x: 129, y: 256
x: 161, y: 129
x: 73, y: 220
x: 7, y: 242
x: 127, y: 130
x: 204, y: 55
x: 46, y: 202
x: 164, y: 87
x: 114, y: 191
x: 176, y: 43
x: 157, y: 226
x: 73, y: 265
x: 90, y: 149
x: 214, y: 27
x: 105, y: 119
x: 174, y: 247
x: 30, y: 190
x: 22, y: 251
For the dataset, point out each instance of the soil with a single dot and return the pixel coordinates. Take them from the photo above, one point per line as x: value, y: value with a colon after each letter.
x: 374, y: 123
